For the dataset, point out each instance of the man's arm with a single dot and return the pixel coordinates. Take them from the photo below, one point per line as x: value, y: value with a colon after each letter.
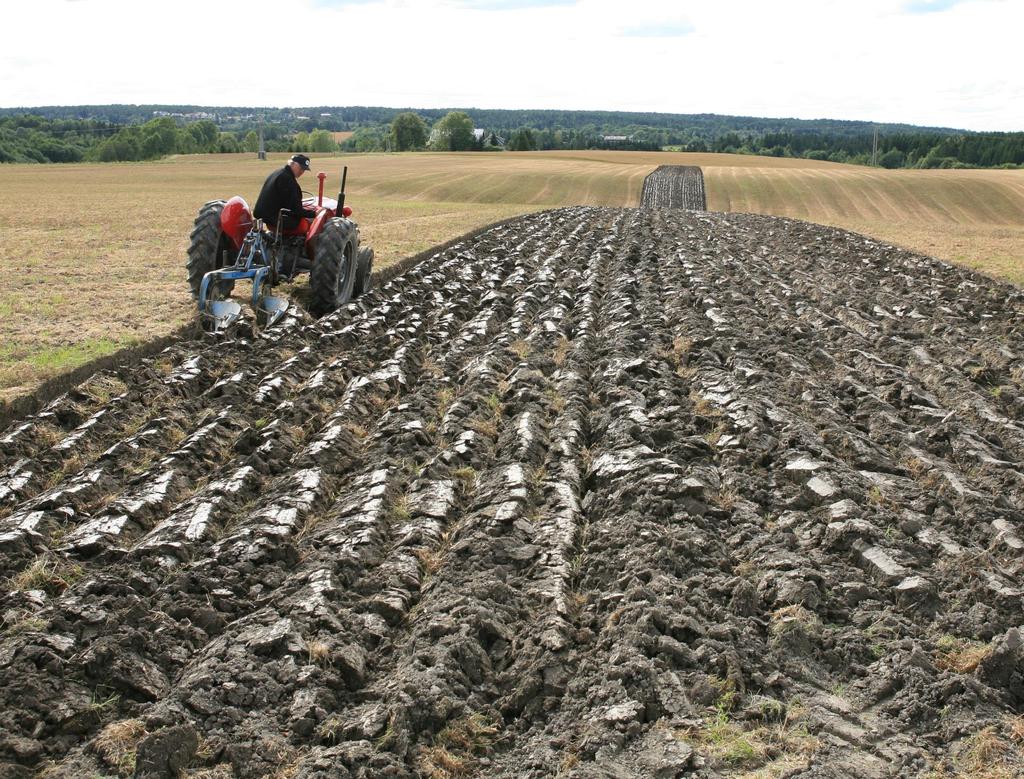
x: 294, y: 201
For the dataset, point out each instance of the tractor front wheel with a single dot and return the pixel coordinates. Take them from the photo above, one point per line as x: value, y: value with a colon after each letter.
x: 206, y: 251
x: 334, y: 266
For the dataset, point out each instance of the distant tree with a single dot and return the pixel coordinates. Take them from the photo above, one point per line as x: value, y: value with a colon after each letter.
x: 300, y: 142
x: 454, y: 132
x: 228, y: 143
x: 322, y: 141
x: 205, y: 134
x: 121, y: 146
x: 893, y: 158
x: 252, y: 141
x: 160, y: 137
x: 408, y: 132
x: 522, y: 139
x: 165, y: 130
x: 367, y: 139
x: 185, y: 143
x: 728, y: 143
x: 55, y: 151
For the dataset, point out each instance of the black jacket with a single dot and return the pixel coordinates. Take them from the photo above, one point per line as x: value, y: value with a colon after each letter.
x: 281, y: 190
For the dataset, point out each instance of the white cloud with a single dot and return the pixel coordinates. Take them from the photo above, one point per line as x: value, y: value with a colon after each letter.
x: 879, y: 60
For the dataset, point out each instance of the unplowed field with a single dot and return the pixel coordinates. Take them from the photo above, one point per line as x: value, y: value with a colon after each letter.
x: 599, y: 492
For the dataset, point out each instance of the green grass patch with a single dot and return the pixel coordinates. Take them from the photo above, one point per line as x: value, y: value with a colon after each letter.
x: 778, y: 742
x: 62, y: 358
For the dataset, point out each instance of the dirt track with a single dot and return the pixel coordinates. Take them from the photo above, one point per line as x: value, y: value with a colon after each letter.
x: 623, y: 493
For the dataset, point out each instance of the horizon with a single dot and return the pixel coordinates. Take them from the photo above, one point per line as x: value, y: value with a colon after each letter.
x: 948, y: 64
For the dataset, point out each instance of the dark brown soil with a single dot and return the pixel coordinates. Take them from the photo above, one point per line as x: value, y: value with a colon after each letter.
x: 596, y: 493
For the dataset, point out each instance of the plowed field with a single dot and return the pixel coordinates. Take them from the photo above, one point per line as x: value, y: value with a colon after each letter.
x: 674, y: 186
x: 598, y: 492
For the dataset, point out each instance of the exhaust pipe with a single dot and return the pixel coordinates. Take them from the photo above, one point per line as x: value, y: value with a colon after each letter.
x: 341, y: 192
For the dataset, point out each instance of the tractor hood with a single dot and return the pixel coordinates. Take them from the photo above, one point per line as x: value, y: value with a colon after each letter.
x: 312, y: 202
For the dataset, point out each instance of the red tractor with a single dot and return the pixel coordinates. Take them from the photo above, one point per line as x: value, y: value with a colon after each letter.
x: 227, y: 244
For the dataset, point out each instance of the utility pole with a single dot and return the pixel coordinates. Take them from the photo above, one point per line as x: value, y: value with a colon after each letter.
x: 262, y: 153
x: 874, y: 149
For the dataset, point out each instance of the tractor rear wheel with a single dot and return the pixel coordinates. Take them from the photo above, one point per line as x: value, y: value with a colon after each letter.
x: 334, y: 266
x: 364, y: 267
x: 206, y: 251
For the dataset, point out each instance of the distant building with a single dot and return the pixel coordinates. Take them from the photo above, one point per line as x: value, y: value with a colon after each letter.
x: 192, y: 115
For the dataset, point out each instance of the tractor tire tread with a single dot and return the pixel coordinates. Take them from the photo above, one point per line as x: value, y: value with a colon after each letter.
x: 332, y: 278
x: 204, y: 241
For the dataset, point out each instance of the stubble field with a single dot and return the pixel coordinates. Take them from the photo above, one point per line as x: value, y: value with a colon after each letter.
x: 94, y: 253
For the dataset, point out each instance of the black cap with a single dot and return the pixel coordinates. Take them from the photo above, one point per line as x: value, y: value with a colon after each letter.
x: 302, y: 159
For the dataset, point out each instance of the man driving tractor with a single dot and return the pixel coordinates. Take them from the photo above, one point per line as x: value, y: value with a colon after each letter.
x: 226, y: 246
x: 282, y: 190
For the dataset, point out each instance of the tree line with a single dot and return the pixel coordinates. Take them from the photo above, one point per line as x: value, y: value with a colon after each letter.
x: 57, y: 137
x: 29, y: 138
x: 410, y: 132
x: 456, y: 131
x: 35, y: 139
x: 898, y: 150
x: 241, y: 119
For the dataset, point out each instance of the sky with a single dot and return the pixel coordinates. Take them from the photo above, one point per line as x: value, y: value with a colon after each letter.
x: 942, y: 63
